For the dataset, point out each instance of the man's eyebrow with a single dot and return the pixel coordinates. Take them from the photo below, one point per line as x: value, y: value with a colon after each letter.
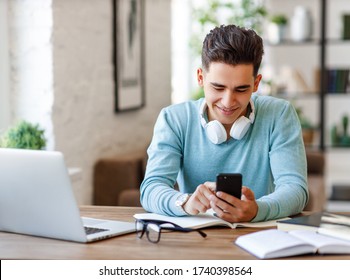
x: 216, y: 84
x: 243, y: 87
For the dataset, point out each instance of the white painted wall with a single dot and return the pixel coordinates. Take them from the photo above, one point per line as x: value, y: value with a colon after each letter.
x: 85, y: 125
x: 4, y: 68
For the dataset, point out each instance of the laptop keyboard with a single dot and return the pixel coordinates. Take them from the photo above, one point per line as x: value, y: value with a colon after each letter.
x: 92, y: 230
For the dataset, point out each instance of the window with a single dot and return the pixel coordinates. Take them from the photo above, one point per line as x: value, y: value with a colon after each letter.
x: 181, y: 62
x: 28, y: 79
x: 4, y: 68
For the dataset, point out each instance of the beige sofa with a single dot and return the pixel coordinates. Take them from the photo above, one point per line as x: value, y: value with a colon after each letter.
x: 117, y: 180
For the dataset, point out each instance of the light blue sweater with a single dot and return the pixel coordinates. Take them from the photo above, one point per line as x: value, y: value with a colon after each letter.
x: 271, y: 158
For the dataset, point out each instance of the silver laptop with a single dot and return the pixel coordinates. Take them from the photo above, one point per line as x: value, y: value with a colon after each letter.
x: 36, y: 198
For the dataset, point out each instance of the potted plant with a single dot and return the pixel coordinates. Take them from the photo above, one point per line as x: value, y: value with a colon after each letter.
x: 340, y: 137
x: 308, y: 129
x: 276, y: 29
x: 23, y: 135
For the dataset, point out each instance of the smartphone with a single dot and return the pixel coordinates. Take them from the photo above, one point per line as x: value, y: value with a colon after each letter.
x: 230, y: 183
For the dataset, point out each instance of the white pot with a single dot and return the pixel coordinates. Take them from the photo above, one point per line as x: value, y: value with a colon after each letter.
x: 276, y: 33
x: 301, y: 24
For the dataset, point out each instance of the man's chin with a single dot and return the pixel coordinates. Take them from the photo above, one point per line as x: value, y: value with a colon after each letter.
x: 227, y: 121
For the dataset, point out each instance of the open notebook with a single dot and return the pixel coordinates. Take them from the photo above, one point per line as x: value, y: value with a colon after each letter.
x: 204, y: 220
x: 36, y: 198
x: 274, y: 243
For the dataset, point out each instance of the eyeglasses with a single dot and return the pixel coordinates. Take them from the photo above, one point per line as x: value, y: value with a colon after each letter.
x: 154, y: 228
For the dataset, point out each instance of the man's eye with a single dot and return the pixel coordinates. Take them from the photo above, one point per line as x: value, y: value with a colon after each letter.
x: 243, y: 90
x: 218, y: 88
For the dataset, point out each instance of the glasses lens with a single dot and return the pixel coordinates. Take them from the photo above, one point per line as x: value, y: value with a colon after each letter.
x: 153, y: 232
x: 139, y: 228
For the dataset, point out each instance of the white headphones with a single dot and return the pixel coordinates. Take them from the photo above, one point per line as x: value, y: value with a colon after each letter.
x: 216, y: 131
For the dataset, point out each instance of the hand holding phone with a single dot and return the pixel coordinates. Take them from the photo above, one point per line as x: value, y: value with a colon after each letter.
x: 230, y: 183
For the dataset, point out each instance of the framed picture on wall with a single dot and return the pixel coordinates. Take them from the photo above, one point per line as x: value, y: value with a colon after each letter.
x: 129, y: 54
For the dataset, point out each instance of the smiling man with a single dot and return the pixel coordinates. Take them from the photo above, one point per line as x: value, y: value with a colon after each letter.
x: 231, y: 130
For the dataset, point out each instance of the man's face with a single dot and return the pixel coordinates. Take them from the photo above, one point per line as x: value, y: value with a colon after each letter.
x: 227, y: 90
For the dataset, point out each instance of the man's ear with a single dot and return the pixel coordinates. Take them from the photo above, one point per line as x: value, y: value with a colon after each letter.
x: 200, y: 77
x: 257, y: 82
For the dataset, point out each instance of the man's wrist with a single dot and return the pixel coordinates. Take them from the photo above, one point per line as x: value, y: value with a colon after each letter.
x: 181, y: 201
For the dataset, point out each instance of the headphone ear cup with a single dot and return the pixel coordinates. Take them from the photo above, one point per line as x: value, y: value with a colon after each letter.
x: 216, y: 132
x: 240, y: 128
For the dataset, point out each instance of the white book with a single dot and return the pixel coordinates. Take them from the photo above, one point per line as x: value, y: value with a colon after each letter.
x: 207, y: 219
x: 337, y: 231
x: 337, y: 226
x: 274, y: 243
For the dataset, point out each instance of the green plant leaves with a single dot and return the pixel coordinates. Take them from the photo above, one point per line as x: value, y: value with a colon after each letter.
x: 24, y: 135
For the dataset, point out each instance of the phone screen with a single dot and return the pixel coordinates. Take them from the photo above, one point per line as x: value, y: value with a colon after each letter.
x: 230, y: 183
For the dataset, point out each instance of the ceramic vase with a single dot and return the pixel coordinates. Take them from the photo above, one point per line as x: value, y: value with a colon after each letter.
x: 276, y: 33
x: 301, y: 24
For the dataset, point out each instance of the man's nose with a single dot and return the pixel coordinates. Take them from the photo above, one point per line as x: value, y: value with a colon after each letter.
x: 228, y: 99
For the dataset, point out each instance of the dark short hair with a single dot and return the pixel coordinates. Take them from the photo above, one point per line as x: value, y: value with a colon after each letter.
x: 232, y: 45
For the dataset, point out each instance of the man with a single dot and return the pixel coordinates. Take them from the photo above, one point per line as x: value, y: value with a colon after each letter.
x: 229, y: 131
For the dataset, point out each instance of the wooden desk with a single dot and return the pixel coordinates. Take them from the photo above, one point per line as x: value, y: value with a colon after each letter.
x: 175, y: 245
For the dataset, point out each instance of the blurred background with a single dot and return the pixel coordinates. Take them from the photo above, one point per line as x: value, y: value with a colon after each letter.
x: 94, y: 75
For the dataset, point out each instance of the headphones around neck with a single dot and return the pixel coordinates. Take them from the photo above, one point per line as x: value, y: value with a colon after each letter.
x: 216, y: 131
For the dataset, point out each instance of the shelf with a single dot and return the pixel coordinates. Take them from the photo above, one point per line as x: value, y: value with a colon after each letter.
x: 340, y: 192
x: 310, y: 42
x: 289, y: 42
x: 338, y: 148
x: 337, y: 41
x: 338, y: 95
x: 300, y: 95
x: 338, y: 206
x: 314, y: 58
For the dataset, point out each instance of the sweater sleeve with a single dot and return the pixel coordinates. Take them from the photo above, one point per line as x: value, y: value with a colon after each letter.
x: 288, y: 167
x: 164, y: 159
